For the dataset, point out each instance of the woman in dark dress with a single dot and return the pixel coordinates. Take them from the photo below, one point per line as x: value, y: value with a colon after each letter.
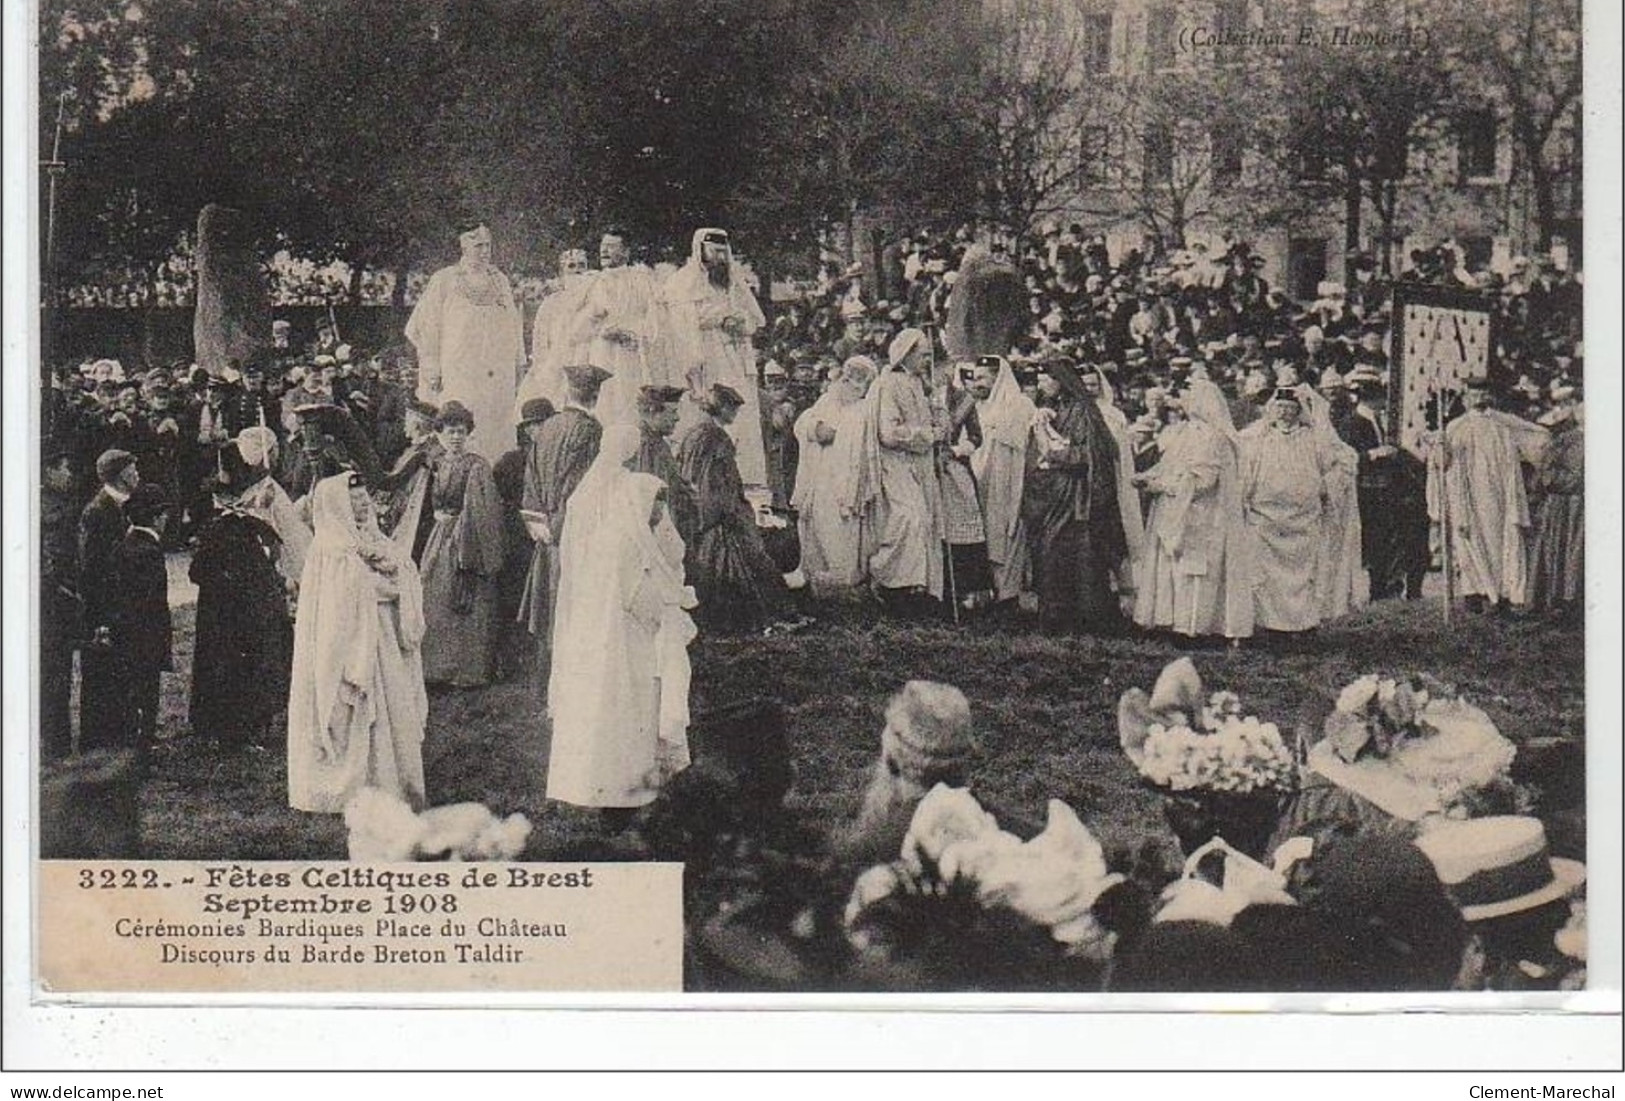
x: 1069, y: 505
x: 244, y: 645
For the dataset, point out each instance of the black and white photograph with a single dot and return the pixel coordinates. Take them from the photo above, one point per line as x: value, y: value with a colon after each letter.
x: 1013, y: 496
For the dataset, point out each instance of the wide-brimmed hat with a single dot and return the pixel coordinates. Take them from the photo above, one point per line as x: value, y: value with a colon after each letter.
x: 1499, y: 865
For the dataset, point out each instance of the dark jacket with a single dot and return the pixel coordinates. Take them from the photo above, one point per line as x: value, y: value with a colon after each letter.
x: 138, y: 608
x: 101, y: 530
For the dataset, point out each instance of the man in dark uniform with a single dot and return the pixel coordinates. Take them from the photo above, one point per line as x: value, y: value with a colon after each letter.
x: 657, y: 420
x: 101, y: 529
x: 562, y: 450
x: 515, y: 645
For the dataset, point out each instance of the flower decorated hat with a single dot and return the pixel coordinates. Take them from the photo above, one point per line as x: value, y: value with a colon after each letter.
x: 1411, y: 747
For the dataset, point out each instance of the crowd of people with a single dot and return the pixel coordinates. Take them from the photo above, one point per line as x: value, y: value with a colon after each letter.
x: 931, y: 885
x: 1168, y: 447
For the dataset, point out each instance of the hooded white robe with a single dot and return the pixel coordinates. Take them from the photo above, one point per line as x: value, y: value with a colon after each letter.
x: 357, y: 707
x: 831, y: 533
x: 618, y: 689
x: 1000, y: 467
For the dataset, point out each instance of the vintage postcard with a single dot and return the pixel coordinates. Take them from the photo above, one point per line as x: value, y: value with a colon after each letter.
x: 1060, y: 503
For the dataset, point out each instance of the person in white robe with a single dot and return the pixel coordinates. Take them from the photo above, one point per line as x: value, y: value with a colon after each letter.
x: 553, y: 342
x: 1340, y: 570
x: 1195, y: 569
x: 1284, y: 498
x: 830, y: 436
x: 898, y: 476
x: 1128, y: 501
x: 357, y: 706
x: 468, y: 333
x: 1488, y: 506
x: 1000, y: 467
x: 619, y: 328
x: 619, y: 682
x: 712, y: 317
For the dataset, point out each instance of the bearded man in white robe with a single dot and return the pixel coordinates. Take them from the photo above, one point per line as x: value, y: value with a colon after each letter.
x: 901, y: 436
x: 1489, y: 522
x: 619, y: 329
x: 712, y: 316
x: 468, y: 333
x: 1284, y: 500
x: 830, y: 435
x: 553, y: 342
x: 1000, y: 467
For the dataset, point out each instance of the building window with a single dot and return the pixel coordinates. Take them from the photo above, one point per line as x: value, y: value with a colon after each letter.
x: 1227, y: 150
x: 1159, y: 154
x: 1093, y: 153
x: 1305, y: 266
x: 1475, y: 143
x: 1097, y: 42
x: 1475, y: 252
x: 1160, y: 37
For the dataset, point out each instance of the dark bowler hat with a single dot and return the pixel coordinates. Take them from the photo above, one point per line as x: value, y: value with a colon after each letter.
x: 535, y: 411
x: 586, y: 375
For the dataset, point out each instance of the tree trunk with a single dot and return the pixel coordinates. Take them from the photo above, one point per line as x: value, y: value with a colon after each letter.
x: 1352, y: 202
x: 1540, y: 183
x: 355, y: 284
x: 397, y: 295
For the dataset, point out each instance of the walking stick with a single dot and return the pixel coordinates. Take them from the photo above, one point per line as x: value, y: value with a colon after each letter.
x: 940, y: 398
x: 1439, y: 457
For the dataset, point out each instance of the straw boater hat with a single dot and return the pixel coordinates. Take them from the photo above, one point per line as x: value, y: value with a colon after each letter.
x: 1497, y: 866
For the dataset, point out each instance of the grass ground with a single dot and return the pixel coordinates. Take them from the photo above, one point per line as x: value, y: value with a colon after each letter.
x: 1045, y: 710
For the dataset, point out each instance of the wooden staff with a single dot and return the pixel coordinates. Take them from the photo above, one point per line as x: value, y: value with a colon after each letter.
x: 939, y: 397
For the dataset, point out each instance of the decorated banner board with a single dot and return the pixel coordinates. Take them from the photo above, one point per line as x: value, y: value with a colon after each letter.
x: 1441, y: 338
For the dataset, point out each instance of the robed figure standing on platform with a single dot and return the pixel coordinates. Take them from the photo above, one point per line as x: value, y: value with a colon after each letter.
x: 713, y: 316
x: 467, y: 330
x: 554, y: 340
x: 619, y: 328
